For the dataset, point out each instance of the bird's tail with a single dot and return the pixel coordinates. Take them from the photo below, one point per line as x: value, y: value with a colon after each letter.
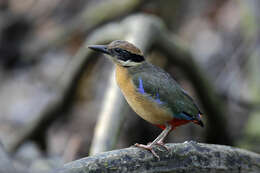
x: 198, y: 120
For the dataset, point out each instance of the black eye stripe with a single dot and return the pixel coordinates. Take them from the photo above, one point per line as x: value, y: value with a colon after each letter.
x: 125, y: 55
x: 117, y: 50
x: 137, y: 58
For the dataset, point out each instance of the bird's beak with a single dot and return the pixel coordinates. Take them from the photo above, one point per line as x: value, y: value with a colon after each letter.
x: 99, y: 48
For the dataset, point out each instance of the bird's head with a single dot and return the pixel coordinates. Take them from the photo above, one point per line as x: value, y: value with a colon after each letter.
x: 121, y: 52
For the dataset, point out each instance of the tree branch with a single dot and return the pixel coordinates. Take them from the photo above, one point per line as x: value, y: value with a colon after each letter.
x: 183, y: 157
x: 63, y: 89
x: 90, y: 18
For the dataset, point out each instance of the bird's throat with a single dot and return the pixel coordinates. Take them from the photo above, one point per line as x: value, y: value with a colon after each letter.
x: 122, y: 76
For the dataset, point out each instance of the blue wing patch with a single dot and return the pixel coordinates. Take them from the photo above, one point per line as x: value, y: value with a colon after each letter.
x: 141, y: 87
x: 141, y: 90
x: 157, y: 99
x: 183, y: 116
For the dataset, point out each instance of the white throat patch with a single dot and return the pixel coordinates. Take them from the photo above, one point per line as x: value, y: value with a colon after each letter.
x: 128, y: 63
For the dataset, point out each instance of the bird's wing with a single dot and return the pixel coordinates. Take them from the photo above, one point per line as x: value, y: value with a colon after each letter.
x: 161, y: 88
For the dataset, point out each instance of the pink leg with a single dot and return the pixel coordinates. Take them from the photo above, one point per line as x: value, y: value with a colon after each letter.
x: 162, y: 145
x: 148, y: 147
x: 157, y: 141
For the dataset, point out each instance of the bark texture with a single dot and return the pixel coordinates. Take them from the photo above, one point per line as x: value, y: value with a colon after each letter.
x: 182, y: 157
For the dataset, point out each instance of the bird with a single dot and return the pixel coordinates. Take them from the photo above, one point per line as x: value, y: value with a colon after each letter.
x: 150, y: 91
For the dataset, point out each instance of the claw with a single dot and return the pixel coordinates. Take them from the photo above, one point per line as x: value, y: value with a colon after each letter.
x: 149, y: 148
x: 157, y: 141
x: 162, y: 145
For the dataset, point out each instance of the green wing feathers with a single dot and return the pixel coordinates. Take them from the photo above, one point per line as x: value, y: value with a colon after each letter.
x: 160, y: 87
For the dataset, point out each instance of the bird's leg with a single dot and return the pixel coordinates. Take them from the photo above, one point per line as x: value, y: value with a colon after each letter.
x: 161, y: 143
x: 157, y: 141
x: 161, y: 138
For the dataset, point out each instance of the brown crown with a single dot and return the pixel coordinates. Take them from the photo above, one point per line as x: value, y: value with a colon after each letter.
x: 125, y: 45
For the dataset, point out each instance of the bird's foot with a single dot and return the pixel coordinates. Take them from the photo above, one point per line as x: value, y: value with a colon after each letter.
x: 148, y: 147
x: 162, y: 145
